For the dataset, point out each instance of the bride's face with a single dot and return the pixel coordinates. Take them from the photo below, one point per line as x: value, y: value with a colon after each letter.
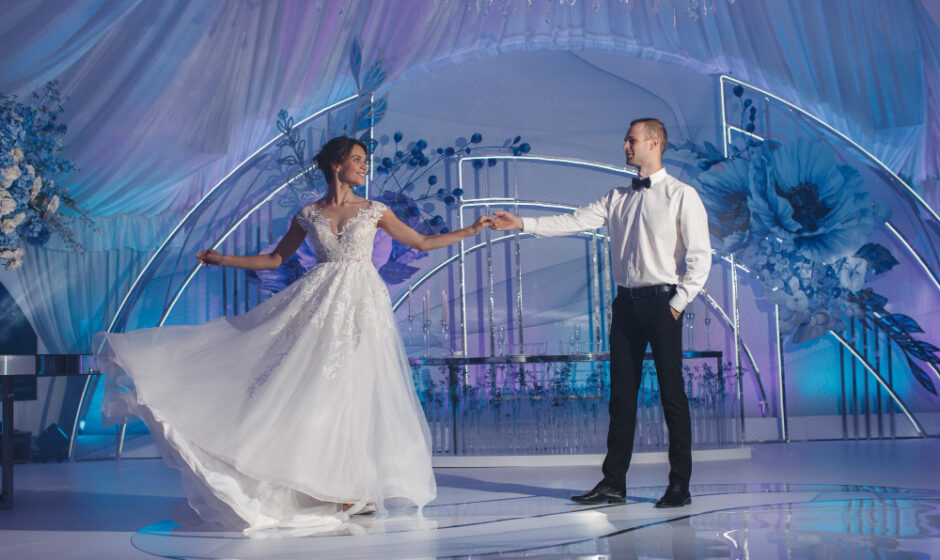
x: 354, y: 168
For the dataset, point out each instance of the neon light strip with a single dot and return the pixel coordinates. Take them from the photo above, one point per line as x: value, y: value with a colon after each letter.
x: 871, y: 370
x: 732, y: 128
x: 553, y: 159
x: 913, y: 253
x: 747, y: 351
x: 244, y: 217
x: 462, y: 250
x: 725, y: 78
x: 205, y: 197
x: 431, y: 272
x: 781, y: 379
x: 498, y: 200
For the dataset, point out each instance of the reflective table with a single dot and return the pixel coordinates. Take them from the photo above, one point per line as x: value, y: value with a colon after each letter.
x: 41, y: 365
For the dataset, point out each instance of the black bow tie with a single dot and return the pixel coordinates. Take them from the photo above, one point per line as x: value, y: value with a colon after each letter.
x: 641, y: 183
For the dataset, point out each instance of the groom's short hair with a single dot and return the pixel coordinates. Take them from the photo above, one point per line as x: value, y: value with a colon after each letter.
x: 654, y: 129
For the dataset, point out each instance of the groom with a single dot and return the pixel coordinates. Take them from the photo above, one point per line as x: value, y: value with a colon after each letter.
x: 661, y: 257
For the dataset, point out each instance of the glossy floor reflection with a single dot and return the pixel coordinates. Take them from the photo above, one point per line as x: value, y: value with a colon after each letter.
x: 725, y: 521
x: 805, y: 500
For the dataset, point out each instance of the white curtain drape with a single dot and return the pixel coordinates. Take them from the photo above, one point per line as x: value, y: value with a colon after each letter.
x: 164, y: 98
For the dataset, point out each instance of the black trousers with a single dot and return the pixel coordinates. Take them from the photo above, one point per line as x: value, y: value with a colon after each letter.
x: 636, y: 322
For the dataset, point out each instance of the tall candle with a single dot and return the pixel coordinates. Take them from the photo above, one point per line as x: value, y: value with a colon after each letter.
x: 411, y: 310
x: 427, y: 306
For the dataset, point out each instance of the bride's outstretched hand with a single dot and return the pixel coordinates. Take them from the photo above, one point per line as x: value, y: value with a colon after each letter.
x: 482, y: 222
x: 209, y: 257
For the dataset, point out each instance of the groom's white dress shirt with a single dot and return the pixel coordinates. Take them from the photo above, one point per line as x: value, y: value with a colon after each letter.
x: 658, y: 235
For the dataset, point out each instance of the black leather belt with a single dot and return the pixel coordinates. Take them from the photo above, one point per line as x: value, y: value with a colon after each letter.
x: 645, y: 291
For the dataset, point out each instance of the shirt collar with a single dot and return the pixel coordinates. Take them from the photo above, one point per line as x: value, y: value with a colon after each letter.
x: 658, y: 176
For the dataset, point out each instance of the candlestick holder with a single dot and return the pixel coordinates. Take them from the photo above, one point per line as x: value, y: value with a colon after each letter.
x: 411, y: 329
x: 427, y: 332
x: 445, y: 339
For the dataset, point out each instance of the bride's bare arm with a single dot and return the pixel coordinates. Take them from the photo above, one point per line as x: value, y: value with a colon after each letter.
x: 404, y: 234
x: 288, y: 245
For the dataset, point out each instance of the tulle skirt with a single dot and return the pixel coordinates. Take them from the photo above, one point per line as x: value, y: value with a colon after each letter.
x: 277, y: 416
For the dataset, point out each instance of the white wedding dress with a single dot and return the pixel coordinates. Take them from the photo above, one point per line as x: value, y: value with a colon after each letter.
x: 276, y: 416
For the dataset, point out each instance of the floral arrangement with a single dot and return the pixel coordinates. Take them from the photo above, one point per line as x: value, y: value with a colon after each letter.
x: 31, y: 202
x: 799, y: 221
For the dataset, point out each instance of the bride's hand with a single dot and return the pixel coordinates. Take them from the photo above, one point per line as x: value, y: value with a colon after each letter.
x: 209, y: 257
x: 482, y: 222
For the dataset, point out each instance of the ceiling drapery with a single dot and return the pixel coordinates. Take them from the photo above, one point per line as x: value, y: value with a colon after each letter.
x: 164, y: 98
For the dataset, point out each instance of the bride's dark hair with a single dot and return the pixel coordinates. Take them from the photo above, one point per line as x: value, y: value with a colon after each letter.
x: 335, y: 151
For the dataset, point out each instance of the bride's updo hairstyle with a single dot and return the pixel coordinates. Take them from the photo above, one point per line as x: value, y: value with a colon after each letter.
x: 333, y: 152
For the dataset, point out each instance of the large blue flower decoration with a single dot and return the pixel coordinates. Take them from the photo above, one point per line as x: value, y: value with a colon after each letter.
x: 802, y: 195
x: 725, y: 189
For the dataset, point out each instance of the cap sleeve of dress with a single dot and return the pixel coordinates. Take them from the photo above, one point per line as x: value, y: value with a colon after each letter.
x: 377, y: 209
x: 304, y: 216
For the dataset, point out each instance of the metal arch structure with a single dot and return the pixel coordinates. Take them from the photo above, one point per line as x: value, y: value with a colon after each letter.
x: 727, y: 130
x: 206, y: 197
x: 906, y: 190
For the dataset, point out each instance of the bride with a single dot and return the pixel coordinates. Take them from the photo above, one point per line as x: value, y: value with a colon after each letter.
x: 301, y: 411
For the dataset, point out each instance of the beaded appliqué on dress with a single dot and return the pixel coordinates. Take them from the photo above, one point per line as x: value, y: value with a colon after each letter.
x: 353, y: 243
x: 327, y: 306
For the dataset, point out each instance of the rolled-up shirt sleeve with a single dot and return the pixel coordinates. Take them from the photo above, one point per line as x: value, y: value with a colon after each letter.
x: 592, y: 216
x: 693, y: 230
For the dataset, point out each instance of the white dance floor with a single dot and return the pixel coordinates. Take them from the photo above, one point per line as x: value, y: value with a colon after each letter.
x: 864, y: 499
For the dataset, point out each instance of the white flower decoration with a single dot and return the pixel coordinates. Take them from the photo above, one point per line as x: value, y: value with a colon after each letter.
x: 37, y: 186
x: 11, y: 223
x: 17, y: 155
x: 852, y: 273
x: 7, y: 205
x: 14, y: 258
x: 11, y: 173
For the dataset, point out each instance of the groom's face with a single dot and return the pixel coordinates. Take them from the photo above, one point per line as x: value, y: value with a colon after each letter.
x: 638, y: 146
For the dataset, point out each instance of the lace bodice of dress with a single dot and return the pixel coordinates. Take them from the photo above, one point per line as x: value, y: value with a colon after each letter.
x: 352, y: 244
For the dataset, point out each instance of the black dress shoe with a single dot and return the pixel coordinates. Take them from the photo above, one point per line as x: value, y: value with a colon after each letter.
x: 602, y: 493
x: 674, y: 497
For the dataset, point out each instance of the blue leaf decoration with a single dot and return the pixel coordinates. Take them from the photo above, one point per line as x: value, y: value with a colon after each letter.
x: 373, y: 114
x: 373, y: 78
x: 878, y: 256
x: 902, y: 323
x: 922, y: 377
x: 923, y: 351
x: 871, y: 300
x: 396, y: 273
x: 355, y: 59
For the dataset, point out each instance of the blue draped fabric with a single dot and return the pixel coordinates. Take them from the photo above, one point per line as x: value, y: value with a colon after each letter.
x: 163, y: 98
